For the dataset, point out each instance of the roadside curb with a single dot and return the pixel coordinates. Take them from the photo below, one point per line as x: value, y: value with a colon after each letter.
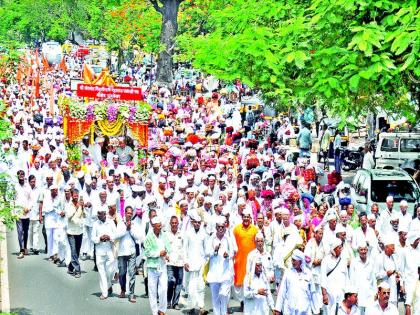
x: 4, y: 272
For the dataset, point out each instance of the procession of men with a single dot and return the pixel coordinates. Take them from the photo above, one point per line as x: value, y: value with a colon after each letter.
x: 219, y: 210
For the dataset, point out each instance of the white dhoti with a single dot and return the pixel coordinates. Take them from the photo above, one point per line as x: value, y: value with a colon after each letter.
x: 158, y: 288
x: 220, y: 293
x: 33, y: 241
x: 105, y: 265
x: 196, y: 288
x: 87, y: 243
x: 51, y: 243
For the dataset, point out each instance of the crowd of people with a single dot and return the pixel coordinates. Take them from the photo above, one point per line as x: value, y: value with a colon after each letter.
x: 220, y: 204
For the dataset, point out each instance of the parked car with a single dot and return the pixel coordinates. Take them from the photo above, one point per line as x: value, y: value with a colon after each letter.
x: 393, y: 149
x: 373, y: 186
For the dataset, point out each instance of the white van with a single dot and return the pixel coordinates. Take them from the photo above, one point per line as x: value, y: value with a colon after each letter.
x: 373, y: 186
x: 53, y: 52
x: 394, y: 149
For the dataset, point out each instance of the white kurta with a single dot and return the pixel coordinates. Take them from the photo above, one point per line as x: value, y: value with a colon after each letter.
x: 254, y: 303
x: 336, y: 281
x: 362, y: 276
x: 295, y: 293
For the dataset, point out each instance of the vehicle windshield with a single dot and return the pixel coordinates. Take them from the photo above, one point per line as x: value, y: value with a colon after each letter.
x: 399, y: 189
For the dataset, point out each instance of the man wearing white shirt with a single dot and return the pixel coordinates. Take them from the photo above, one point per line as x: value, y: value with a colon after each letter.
x: 75, y: 214
x: 34, y: 224
x: 362, y: 276
x: 175, y: 263
x: 365, y: 234
x: 90, y: 217
x: 220, y: 275
x: 383, y: 225
x: 381, y: 306
x: 315, y: 251
x: 405, y: 217
x: 368, y: 161
x: 334, y: 276
x: 387, y: 267
x: 22, y: 210
x: 103, y: 232
x: 128, y: 233
x: 194, y: 249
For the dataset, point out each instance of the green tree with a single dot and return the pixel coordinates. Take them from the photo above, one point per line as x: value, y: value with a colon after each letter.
x: 349, y: 56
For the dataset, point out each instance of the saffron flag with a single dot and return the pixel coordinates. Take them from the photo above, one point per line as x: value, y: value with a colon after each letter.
x: 88, y: 76
x: 45, y: 64
x: 37, y: 94
x: 63, y: 66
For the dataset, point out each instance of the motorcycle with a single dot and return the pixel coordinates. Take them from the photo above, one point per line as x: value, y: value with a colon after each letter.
x: 352, y: 158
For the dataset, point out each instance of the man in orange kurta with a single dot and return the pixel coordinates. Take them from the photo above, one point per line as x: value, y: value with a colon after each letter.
x: 244, y: 235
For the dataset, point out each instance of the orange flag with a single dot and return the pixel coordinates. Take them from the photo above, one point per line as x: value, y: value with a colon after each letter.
x: 37, y: 94
x: 63, y: 66
x: 87, y: 74
x: 45, y: 64
x: 37, y: 59
x: 19, y: 74
x: 52, y: 99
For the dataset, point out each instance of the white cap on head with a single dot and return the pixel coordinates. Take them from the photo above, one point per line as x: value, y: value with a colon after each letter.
x: 388, y: 240
x: 247, y: 211
x: 53, y: 187
x: 156, y: 220
x: 298, y: 255
x: 167, y: 193
x: 339, y: 229
x: 371, y: 216
x: 403, y: 203
x: 350, y: 289
x: 220, y: 220
x: 194, y: 216
x: 384, y: 285
x: 389, y: 199
x: 335, y: 243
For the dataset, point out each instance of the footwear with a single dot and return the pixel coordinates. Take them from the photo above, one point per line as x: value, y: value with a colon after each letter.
x: 51, y: 258
x: 132, y: 299
x: 20, y: 256
x: 161, y: 313
x: 36, y: 252
x: 77, y: 275
x: 110, y: 291
x: 103, y: 297
x: 122, y: 295
x: 31, y: 250
x: 202, y: 312
x: 145, y: 296
x: 176, y: 307
x: 84, y: 257
x: 70, y: 272
x: 59, y: 262
x: 62, y: 264
x: 95, y: 269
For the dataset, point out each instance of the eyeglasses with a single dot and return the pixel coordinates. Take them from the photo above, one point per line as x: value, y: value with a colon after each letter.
x: 220, y: 227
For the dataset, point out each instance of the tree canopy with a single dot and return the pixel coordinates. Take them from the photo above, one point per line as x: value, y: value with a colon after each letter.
x: 348, y: 56
x: 345, y: 56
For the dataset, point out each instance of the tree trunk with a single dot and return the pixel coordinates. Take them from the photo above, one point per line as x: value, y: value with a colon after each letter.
x: 169, y: 12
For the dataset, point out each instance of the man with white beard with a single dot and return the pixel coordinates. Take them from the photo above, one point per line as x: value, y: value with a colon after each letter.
x: 194, y: 249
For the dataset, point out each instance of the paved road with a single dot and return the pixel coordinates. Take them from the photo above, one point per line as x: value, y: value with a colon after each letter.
x: 40, y: 288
